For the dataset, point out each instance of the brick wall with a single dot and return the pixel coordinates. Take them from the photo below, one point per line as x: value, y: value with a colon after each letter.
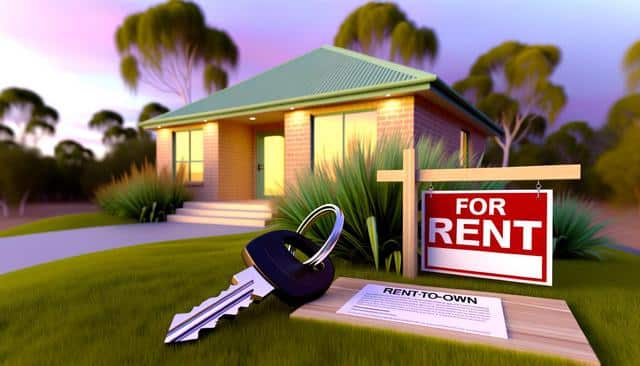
x: 164, y: 151
x: 396, y: 117
x: 297, y: 145
x: 435, y: 120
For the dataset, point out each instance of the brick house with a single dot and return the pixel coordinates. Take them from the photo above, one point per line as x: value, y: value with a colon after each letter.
x: 249, y: 141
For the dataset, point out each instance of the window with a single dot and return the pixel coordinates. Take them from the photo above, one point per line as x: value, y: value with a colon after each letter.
x: 188, y: 148
x: 333, y: 134
x: 464, y: 149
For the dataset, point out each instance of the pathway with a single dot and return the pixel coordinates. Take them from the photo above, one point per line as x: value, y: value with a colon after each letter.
x: 23, y: 251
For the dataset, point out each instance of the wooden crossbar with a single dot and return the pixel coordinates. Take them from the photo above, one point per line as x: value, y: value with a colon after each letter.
x: 409, y: 176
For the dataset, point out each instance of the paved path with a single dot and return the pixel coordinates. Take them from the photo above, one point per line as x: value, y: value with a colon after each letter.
x: 23, y: 251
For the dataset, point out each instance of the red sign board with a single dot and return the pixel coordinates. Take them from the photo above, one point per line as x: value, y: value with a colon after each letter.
x: 504, y: 235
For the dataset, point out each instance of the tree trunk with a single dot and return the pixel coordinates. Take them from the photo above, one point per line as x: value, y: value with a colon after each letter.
x: 23, y: 203
x: 5, y: 208
x: 505, y: 153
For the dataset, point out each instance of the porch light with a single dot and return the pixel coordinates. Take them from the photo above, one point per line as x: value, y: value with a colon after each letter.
x: 292, y: 108
x: 387, y: 95
x: 252, y: 118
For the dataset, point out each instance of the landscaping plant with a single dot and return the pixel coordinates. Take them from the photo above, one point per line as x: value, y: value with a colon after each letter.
x: 575, y: 232
x: 143, y: 194
x: 352, y: 185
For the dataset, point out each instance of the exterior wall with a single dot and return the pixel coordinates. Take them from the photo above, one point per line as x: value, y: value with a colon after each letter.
x: 297, y: 145
x: 208, y: 189
x: 236, y: 162
x: 434, y: 120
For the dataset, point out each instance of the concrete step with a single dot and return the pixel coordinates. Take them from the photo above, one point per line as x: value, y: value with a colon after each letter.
x: 231, y: 221
x: 236, y: 206
x: 224, y: 213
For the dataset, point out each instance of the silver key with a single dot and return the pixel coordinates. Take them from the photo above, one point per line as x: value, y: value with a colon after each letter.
x: 246, y: 286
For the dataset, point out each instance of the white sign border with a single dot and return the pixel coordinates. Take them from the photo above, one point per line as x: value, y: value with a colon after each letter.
x: 549, y: 269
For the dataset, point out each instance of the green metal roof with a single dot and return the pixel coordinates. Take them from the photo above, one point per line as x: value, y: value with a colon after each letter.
x: 325, y: 75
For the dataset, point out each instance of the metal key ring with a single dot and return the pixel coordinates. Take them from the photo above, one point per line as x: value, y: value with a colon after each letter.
x: 331, y: 241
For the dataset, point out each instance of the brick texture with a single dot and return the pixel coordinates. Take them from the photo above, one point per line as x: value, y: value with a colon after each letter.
x: 297, y: 145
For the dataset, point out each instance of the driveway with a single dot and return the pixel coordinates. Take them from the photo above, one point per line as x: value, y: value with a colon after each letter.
x: 28, y: 250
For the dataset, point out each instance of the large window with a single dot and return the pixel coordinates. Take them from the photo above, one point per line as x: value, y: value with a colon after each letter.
x: 335, y: 134
x: 189, y: 155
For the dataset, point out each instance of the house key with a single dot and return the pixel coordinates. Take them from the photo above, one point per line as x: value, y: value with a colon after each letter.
x: 271, y: 268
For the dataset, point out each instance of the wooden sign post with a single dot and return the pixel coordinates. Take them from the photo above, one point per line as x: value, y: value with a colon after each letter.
x: 409, y: 176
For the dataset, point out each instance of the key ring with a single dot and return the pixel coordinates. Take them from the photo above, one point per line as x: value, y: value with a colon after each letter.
x: 331, y: 241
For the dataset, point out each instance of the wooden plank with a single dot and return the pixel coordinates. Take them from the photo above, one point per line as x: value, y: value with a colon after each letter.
x: 514, y: 173
x: 541, y: 172
x: 409, y: 212
x: 538, y: 325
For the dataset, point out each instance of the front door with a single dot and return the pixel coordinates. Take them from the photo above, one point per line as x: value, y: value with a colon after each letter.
x: 269, y: 165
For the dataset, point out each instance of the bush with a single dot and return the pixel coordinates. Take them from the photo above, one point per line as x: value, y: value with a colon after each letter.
x: 575, y: 233
x: 142, y: 194
x: 352, y: 185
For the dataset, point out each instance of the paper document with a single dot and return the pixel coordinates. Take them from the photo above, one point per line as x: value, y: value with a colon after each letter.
x: 445, y: 310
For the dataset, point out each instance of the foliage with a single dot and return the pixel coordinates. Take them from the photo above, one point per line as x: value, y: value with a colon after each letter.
x: 151, y: 110
x: 373, y: 23
x: 619, y: 167
x: 352, y: 185
x: 65, y: 222
x: 511, y: 83
x: 624, y: 113
x: 163, y: 44
x: 112, y: 125
x: 25, y: 107
x: 575, y: 233
x: 631, y: 66
x: 389, y: 250
x: 143, y: 194
x: 129, y: 295
x: 21, y: 175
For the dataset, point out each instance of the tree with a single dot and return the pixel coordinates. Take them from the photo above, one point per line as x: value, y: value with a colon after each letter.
x: 631, y: 65
x: 163, y: 45
x: 20, y: 176
x: 112, y: 125
x: 26, y: 109
x: 511, y: 84
x: 623, y: 114
x: 619, y: 167
x: 72, y: 153
x: 151, y: 110
x: 375, y: 23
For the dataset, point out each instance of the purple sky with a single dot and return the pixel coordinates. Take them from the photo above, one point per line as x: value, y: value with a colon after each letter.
x: 64, y: 49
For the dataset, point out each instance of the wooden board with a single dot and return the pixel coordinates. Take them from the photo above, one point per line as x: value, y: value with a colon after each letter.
x: 538, y: 325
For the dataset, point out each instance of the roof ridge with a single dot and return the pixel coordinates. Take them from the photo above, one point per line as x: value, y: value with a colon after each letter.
x: 383, y: 63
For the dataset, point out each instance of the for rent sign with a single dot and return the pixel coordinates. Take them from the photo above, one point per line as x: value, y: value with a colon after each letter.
x: 505, y: 235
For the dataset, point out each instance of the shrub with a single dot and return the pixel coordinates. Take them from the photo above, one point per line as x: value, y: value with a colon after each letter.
x: 142, y: 194
x: 575, y: 233
x: 352, y: 185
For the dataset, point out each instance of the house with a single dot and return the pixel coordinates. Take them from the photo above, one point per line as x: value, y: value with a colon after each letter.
x: 249, y: 141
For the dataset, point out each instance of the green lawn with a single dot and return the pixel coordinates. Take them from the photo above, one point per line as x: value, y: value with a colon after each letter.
x: 114, y: 307
x: 65, y: 222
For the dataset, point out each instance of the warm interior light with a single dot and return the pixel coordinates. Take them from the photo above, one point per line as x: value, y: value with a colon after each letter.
x: 291, y: 108
x: 252, y: 118
x: 387, y: 95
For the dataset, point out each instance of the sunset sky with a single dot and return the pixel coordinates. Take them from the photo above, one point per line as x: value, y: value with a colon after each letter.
x: 64, y: 50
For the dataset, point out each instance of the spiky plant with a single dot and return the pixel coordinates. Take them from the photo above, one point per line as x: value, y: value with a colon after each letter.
x: 576, y: 234
x: 352, y: 185
x: 142, y: 194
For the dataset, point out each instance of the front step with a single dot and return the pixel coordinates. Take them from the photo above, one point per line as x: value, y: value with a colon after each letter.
x: 248, y: 213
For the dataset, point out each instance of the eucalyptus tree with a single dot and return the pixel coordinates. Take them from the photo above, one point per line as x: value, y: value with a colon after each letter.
x: 28, y: 113
x: 112, y: 126
x: 151, y: 110
x: 511, y: 83
x: 164, y: 45
x: 72, y: 153
x: 623, y: 114
x: 631, y: 65
x: 375, y: 24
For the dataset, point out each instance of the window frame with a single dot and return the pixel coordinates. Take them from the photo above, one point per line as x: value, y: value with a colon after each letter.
x: 465, y: 140
x: 343, y: 122
x: 188, y: 179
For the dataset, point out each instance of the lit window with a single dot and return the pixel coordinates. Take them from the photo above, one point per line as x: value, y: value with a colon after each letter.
x: 334, y: 135
x: 464, y: 149
x: 189, y: 155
